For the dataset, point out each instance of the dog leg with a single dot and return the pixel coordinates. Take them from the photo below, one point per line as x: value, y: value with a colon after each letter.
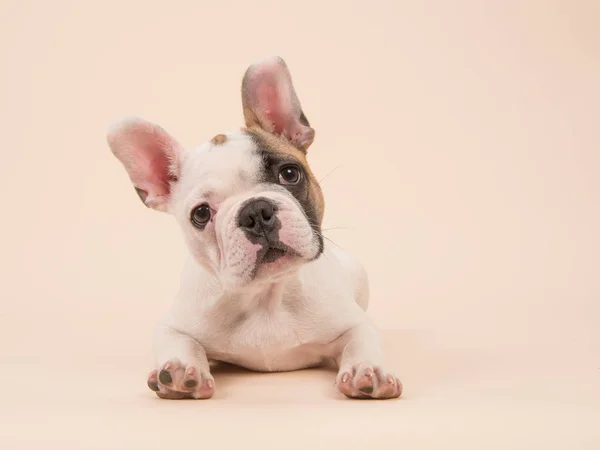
x: 359, y: 359
x: 182, y: 367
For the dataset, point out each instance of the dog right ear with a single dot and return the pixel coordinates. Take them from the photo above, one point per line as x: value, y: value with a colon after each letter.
x: 151, y: 157
x: 270, y: 102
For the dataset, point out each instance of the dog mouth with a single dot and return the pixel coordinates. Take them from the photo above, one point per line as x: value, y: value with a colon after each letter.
x: 273, y: 258
x: 273, y: 254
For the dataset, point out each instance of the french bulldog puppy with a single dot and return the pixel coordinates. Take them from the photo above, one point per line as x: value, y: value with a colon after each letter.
x: 261, y: 288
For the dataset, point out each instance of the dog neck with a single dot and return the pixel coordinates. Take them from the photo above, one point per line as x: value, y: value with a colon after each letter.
x: 265, y: 295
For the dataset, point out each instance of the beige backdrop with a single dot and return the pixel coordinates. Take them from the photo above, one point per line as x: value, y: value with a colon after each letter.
x: 464, y: 142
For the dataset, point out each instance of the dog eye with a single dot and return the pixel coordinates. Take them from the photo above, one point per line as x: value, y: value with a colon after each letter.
x: 201, y: 215
x: 290, y: 175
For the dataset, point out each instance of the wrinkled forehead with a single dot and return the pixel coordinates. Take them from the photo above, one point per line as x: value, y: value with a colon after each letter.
x: 226, y: 164
x: 227, y: 157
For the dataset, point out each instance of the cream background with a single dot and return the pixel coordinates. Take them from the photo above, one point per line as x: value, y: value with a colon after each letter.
x: 466, y: 135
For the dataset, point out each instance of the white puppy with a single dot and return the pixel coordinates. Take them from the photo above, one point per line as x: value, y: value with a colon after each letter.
x: 261, y: 289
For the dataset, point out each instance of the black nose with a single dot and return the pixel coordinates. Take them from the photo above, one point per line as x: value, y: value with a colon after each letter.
x: 257, y: 217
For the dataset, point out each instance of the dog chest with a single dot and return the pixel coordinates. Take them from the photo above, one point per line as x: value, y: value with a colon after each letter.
x: 267, y: 341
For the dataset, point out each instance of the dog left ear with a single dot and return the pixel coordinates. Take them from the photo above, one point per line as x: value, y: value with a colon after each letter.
x: 151, y: 157
x: 270, y: 102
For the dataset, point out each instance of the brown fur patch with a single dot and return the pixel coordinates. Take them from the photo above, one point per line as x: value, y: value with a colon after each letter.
x: 280, y: 145
x: 219, y: 139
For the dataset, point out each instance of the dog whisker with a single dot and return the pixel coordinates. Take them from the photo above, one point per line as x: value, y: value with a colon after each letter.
x: 329, y: 173
x: 333, y: 242
x: 336, y: 228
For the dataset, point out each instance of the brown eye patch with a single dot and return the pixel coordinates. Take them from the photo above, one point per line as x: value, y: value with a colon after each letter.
x: 277, y: 155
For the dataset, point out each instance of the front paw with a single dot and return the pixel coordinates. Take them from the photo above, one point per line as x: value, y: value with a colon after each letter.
x: 175, y: 380
x: 367, y: 381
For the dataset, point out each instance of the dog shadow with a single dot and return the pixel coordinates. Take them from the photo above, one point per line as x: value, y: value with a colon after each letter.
x: 421, y: 360
x: 234, y: 381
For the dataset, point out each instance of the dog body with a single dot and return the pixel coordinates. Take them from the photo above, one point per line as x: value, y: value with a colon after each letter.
x: 261, y: 288
x: 289, y: 324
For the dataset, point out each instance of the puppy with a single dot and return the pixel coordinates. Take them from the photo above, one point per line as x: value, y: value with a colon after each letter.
x: 261, y: 288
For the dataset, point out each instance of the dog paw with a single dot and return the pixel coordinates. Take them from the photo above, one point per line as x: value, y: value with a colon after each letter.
x: 367, y: 381
x: 176, y: 381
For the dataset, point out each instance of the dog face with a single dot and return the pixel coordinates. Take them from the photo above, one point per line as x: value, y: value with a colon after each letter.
x: 247, y: 202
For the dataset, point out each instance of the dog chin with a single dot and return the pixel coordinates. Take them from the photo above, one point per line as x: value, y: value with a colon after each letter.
x: 271, y: 267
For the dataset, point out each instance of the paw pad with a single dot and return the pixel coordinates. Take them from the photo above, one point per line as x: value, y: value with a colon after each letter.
x: 176, y: 381
x: 368, y: 382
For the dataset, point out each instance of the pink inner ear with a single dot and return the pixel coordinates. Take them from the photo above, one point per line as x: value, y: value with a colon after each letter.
x: 149, y: 161
x: 149, y: 155
x: 158, y: 171
x: 273, y: 100
x: 272, y: 105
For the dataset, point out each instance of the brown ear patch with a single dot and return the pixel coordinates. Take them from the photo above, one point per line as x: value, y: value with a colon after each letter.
x: 219, y: 139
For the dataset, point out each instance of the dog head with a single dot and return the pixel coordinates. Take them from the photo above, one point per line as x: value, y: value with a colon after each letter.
x: 248, y: 204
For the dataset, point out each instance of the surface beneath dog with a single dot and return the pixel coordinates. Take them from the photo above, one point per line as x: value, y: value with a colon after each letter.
x: 494, y: 399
